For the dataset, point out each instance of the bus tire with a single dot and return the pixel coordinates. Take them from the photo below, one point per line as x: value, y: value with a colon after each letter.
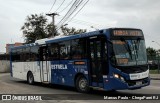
x: 82, y: 84
x: 30, y: 78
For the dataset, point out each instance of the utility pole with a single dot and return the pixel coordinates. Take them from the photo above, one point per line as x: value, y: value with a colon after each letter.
x: 54, y: 31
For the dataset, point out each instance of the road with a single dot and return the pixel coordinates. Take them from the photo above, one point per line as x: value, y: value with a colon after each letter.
x: 10, y: 85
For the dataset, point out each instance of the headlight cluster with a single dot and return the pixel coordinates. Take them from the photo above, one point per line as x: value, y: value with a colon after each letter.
x: 119, y: 77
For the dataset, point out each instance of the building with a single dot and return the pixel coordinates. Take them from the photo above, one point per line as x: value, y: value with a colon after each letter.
x: 5, y: 59
x: 4, y: 63
x: 2, y: 53
x: 9, y: 46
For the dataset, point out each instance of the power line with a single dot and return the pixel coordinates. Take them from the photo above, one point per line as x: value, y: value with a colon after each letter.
x: 73, y: 8
x: 66, y: 15
x: 60, y: 5
x: 73, y: 11
x: 82, y: 22
x: 85, y: 23
x: 79, y: 10
x: 66, y: 6
x: 52, y: 5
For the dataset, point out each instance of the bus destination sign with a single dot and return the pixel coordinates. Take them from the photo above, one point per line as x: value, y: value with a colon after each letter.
x: 127, y: 33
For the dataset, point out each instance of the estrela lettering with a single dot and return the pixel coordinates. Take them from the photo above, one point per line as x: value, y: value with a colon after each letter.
x: 58, y: 66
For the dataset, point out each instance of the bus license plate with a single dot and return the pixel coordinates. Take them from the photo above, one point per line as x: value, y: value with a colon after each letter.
x: 139, y: 83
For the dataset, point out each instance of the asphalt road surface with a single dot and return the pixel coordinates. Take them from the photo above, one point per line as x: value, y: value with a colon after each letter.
x: 62, y: 94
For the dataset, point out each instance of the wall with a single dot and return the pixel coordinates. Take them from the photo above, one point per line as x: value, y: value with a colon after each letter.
x: 4, y: 66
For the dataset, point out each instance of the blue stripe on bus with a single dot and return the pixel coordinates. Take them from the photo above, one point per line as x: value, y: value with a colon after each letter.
x: 63, y: 71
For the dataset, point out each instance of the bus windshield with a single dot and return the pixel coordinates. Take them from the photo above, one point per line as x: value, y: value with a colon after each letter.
x: 129, y: 52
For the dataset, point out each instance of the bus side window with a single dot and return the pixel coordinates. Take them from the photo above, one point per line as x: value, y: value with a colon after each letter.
x: 26, y: 54
x: 78, y: 49
x: 16, y: 55
x: 34, y: 53
x: 39, y: 55
x: 65, y: 50
x: 53, y: 52
x: 44, y: 54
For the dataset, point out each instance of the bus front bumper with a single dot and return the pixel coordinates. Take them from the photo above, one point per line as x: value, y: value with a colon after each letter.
x: 117, y: 84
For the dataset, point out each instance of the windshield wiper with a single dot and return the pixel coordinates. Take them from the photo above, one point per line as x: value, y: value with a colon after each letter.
x: 137, y: 46
x: 127, y: 48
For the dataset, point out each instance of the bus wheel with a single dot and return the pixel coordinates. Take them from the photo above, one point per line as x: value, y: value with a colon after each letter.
x: 82, y: 84
x: 30, y: 78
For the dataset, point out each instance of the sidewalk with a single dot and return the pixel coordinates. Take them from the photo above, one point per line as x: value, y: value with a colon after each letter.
x: 155, y: 76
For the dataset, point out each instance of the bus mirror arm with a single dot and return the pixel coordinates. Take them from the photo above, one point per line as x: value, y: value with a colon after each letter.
x: 109, y: 41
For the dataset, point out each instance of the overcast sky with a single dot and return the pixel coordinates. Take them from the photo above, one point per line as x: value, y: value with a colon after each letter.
x: 100, y: 14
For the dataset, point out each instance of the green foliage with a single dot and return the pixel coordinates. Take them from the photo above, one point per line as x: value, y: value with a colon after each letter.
x: 49, y: 30
x: 71, y: 31
x: 36, y: 27
x: 153, y: 71
x: 151, y: 52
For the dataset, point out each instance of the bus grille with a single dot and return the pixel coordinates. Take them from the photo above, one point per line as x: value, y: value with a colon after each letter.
x: 137, y: 82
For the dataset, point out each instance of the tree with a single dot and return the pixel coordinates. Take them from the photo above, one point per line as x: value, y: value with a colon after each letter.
x: 72, y: 31
x: 151, y: 52
x: 49, y: 30
x: 35, y: 28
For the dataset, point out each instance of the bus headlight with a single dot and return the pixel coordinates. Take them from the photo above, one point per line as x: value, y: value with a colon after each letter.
x: 116, y: 76
x: 119, y: 77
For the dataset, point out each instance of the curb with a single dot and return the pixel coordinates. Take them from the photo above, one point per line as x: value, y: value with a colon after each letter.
x: 155, y: 78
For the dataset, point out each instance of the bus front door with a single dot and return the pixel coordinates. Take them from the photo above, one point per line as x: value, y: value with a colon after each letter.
x: 44, y: 67
x: 98, y: 62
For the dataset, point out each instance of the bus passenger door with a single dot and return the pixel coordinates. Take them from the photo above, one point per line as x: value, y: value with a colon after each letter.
x: 44, y: 67
x: 98, y: 61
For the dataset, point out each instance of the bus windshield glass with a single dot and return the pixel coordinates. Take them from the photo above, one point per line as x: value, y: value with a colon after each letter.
x: 129, y: 52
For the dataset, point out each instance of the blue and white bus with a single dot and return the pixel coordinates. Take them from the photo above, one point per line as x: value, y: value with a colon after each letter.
x: 109, y: 59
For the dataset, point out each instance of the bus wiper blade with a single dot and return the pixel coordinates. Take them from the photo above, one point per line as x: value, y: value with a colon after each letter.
x: 127, y: 48
x: 137, y: 46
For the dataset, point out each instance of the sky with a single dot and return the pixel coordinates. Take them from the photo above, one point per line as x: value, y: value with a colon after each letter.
x: 97, y: 14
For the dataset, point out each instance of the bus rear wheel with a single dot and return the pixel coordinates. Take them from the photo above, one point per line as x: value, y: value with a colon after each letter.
x: 82, y: 84
x: 30, y: 78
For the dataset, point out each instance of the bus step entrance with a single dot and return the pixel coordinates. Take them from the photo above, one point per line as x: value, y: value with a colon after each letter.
x: 97, y: 88
x: 45, y: 82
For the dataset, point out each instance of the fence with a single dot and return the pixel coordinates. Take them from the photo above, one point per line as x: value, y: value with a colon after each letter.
x: 154, y: 64
x: 4, y: 63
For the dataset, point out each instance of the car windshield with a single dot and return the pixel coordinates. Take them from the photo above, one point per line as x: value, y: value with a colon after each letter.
x: 129, y: 52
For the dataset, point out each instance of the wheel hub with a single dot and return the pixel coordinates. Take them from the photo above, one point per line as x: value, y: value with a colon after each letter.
x: 83, y: 84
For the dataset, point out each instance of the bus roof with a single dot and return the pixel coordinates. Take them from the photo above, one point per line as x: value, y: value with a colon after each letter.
x: 24, y: 46
x: 43, y: 41
x: 69, y: 37
x: 59, y: 38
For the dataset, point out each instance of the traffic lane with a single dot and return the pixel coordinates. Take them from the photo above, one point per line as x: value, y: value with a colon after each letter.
x: 11, y: 85
x: 155, y: 82
x: 154, y: 88
x: 21, y: 87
